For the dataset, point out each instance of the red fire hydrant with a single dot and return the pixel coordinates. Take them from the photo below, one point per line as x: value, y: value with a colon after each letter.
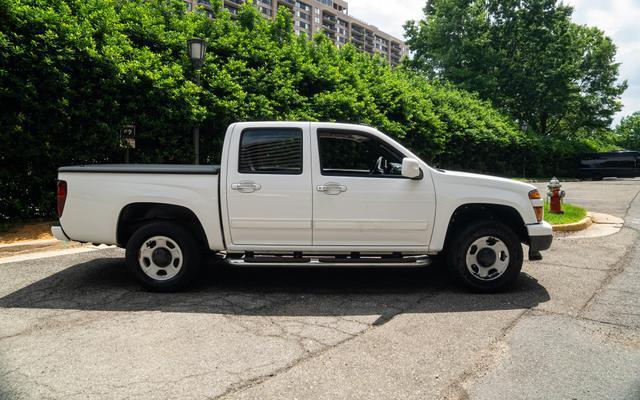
x: 555, y: 196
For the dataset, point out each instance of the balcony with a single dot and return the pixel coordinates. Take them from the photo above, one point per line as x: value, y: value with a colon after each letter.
x: 330, y: 35
x: 329, y: 28
x: 204, y: 3
x: 330, y: 18
x: 290, y: 3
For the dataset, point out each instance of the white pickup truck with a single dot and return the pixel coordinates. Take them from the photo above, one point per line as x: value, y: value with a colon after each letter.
x: 304, y: 193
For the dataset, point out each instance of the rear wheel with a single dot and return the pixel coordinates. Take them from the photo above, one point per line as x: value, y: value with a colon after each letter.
x: 485, y: 256
x: 163, y: 256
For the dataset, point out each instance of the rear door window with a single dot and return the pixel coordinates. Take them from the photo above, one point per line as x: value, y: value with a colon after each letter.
x: 271, y: 151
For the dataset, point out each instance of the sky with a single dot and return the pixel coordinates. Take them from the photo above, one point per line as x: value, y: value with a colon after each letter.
x: 619, y: 19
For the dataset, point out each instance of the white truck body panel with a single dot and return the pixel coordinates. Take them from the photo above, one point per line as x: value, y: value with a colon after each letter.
x: 372, y: 211
x: 95, y: 201
x: 455, y: 189
x: 280, y: 211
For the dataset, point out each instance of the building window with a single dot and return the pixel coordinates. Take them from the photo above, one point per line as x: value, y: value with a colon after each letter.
x: 188, y: 5
x: 316, y: 20
x: 304, y: 16
x: 303, y: 6
x: 317, y: 11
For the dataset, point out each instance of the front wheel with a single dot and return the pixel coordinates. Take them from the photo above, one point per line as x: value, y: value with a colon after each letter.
x: 163, y: 257
x: 486, y: 256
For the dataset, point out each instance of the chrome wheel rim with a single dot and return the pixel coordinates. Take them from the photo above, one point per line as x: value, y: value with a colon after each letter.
x: 487, y: 258
x: 160, y: 258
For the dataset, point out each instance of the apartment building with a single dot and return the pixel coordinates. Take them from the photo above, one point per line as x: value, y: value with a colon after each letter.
x: 328, y: 16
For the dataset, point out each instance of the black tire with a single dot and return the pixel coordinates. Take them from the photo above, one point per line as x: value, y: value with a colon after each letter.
x: 182, y: 267
x: 461, y: 244
x: 596, y: 177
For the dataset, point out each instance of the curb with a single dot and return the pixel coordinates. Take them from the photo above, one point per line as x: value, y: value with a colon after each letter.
x: 30, y: 243
x: 584, y: 223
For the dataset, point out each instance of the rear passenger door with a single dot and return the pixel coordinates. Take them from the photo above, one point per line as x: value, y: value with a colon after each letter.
x: 268, y: 186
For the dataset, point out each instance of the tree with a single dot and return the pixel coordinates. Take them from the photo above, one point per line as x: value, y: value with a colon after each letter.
x: 628, y: 132
x: 526, y: 56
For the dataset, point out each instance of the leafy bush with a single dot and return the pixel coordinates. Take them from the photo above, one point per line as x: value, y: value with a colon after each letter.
x: 72, y: 72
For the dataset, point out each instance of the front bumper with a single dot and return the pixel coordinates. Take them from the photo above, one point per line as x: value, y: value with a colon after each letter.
x: 58, y: 233
x: 540, y: 236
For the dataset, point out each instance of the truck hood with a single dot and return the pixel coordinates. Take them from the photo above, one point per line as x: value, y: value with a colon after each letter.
x: 488, y: 181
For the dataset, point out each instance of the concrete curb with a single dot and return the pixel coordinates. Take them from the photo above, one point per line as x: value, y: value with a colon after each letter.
x: 584, y: 223
x: 23, y: 243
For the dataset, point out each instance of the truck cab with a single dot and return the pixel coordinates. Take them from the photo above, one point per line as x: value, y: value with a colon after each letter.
x: 322, y: 187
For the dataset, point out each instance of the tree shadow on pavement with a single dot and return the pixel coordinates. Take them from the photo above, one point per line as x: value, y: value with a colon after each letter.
x: 104, y: 284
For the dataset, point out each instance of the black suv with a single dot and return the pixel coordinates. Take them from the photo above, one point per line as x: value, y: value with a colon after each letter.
x: 620, y: 164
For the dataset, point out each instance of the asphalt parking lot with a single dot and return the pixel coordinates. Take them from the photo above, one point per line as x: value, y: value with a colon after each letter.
x: 77, y: 327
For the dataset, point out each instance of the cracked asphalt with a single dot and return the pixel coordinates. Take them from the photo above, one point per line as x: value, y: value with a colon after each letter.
x: 77, y: 327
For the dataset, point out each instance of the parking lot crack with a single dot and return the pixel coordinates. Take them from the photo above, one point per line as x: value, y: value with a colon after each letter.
x: 384, y: 318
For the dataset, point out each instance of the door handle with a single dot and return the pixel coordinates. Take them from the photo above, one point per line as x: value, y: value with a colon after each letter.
x: 246, y: 186
x: 332, y: 188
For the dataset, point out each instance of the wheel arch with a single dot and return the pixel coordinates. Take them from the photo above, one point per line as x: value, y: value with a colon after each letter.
x: 474, y: 212
x: 134, y: 215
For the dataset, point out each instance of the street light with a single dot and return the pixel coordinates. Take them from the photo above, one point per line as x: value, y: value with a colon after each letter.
x: 197, y: 48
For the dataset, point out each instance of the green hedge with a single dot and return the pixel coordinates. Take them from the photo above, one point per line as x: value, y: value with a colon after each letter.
x: 72, y: 72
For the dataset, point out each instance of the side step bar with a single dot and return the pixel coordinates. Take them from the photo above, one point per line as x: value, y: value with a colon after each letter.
x: 417, y: 261
x: 278, y: 260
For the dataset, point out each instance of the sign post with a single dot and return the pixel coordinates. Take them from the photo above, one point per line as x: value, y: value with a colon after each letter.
x: 128, y: 139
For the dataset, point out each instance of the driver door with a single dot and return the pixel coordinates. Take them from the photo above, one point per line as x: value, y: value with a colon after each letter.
x: 360, y: 197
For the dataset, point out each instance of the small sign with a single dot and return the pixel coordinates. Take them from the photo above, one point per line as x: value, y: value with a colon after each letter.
x: 128, y: 136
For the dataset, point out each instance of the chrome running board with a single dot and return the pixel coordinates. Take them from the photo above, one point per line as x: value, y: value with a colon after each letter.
x: 323, y: 261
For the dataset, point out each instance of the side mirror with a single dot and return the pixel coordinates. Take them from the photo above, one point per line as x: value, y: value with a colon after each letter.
x: 411, y: 169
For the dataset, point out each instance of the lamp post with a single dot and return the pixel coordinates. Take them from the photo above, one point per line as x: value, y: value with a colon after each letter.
x: 197, y: 48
